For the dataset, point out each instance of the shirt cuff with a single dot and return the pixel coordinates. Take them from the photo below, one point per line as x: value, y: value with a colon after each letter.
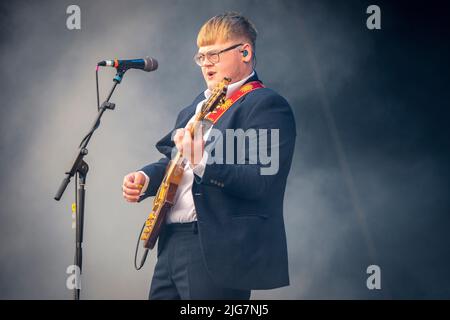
x: 147, y: 180
x: 199, y: 169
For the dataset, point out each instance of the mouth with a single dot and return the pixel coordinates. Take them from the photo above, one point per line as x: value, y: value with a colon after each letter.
x: 210, y: 74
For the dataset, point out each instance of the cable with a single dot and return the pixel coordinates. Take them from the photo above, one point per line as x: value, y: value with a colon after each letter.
x: 98, y: 94
x: 98, y: 109
x: 144, y: 256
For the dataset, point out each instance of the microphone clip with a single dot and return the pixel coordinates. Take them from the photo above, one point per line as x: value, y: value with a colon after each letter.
x: 108, y: 105
x: 119, y: 75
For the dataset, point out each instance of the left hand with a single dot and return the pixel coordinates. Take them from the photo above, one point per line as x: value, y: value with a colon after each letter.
x: 191, y: 148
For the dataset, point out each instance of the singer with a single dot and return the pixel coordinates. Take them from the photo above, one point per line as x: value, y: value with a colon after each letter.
x: 225, y: 233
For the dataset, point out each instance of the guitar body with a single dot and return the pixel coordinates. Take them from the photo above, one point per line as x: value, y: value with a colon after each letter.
x: 162, y: 203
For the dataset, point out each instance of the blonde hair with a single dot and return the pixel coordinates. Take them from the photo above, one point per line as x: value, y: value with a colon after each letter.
x: 227, y: 26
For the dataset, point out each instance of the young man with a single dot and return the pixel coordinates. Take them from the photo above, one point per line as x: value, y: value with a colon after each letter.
x: 225, y: 234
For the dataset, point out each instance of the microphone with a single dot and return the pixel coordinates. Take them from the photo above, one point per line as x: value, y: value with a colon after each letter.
x: 148, y: 64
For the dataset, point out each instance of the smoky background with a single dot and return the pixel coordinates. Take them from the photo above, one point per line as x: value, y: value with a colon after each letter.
x: 369, y: 181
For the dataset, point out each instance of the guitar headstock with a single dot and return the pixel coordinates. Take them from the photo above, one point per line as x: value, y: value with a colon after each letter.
x: 217, y: 97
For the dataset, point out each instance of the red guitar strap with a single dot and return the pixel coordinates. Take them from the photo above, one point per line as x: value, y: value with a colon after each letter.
x: 220, y: 110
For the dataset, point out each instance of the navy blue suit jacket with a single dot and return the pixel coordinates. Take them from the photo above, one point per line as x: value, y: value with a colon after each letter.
x: 240, y: 211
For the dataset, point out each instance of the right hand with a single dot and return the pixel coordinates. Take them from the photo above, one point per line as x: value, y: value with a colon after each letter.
x: 132, y: 186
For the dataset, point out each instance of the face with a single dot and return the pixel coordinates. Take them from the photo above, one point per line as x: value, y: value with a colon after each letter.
x: 232, y: 63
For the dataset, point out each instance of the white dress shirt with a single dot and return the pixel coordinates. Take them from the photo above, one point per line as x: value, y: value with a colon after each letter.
x: 183, y: 210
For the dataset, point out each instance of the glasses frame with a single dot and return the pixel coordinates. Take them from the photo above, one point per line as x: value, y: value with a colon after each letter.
x: 208, y: 55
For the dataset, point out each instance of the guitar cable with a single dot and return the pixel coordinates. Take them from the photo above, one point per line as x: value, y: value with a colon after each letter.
x: 144, y: 256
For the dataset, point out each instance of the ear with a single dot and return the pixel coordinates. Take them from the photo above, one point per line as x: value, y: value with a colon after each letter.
x: 247, y: 53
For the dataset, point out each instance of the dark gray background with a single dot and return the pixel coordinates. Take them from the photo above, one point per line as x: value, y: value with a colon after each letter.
x: 369, y: 182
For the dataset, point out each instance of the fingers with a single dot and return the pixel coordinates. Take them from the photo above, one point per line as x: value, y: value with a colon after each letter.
x: 129, y: 185
x: 131, y: 195
x: 132, y: 185
x: 131, y: 191
x: 189, y: 126
x: 178, y: 138
x: 139, y: 179
x: 179, y: 133
x: 186, y: 142
x: 130, y: 198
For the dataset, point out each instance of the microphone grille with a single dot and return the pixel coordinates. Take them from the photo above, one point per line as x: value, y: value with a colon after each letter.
x: 151, y: 64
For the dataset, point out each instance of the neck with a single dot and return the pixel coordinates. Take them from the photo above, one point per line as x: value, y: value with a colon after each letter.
x: 246, y: 74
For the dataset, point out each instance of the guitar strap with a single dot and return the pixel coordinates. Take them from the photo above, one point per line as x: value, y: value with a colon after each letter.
x: 215, y: 115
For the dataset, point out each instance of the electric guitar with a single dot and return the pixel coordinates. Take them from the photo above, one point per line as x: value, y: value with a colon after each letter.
x: 165, y: 196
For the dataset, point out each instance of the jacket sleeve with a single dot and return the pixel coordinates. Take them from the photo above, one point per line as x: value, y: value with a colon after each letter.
x: 252, y: 180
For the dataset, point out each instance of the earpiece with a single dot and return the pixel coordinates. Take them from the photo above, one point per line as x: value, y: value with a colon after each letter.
x: 245, y: 53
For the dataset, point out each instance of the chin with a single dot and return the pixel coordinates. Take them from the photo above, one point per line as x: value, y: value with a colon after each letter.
x: 211, y: 84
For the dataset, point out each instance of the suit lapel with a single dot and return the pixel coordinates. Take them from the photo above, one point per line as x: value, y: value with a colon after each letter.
x: 189, y: 112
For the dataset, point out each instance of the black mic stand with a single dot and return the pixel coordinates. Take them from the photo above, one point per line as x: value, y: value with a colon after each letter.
x: 81, y: 168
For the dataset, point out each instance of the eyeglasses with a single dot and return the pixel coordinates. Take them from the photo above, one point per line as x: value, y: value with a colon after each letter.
x: 213, y: 57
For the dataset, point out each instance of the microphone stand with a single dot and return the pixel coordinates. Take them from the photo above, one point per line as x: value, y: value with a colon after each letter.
x: 81, y: 168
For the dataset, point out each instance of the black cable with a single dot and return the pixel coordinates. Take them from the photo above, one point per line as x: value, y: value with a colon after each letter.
x: 98, y: 109
x: 89, y: 134
x: 96, y: 83
x: 144, y: 256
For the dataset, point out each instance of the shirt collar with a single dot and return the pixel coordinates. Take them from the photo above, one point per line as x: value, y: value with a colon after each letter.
x: 232, y: 87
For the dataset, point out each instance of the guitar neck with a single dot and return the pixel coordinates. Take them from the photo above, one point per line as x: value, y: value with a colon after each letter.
x: 172, y: 166
x: 196, y: 124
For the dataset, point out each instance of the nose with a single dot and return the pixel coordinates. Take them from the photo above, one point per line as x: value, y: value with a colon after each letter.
x: 207, y: 63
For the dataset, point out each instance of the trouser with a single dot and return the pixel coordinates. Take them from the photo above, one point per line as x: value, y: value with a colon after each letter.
x: 180, y: 272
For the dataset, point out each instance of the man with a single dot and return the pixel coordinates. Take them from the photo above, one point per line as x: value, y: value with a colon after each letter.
x: 225, y: 234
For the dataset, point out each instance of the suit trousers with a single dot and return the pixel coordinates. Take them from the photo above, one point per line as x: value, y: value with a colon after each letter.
x: 180, y: 271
